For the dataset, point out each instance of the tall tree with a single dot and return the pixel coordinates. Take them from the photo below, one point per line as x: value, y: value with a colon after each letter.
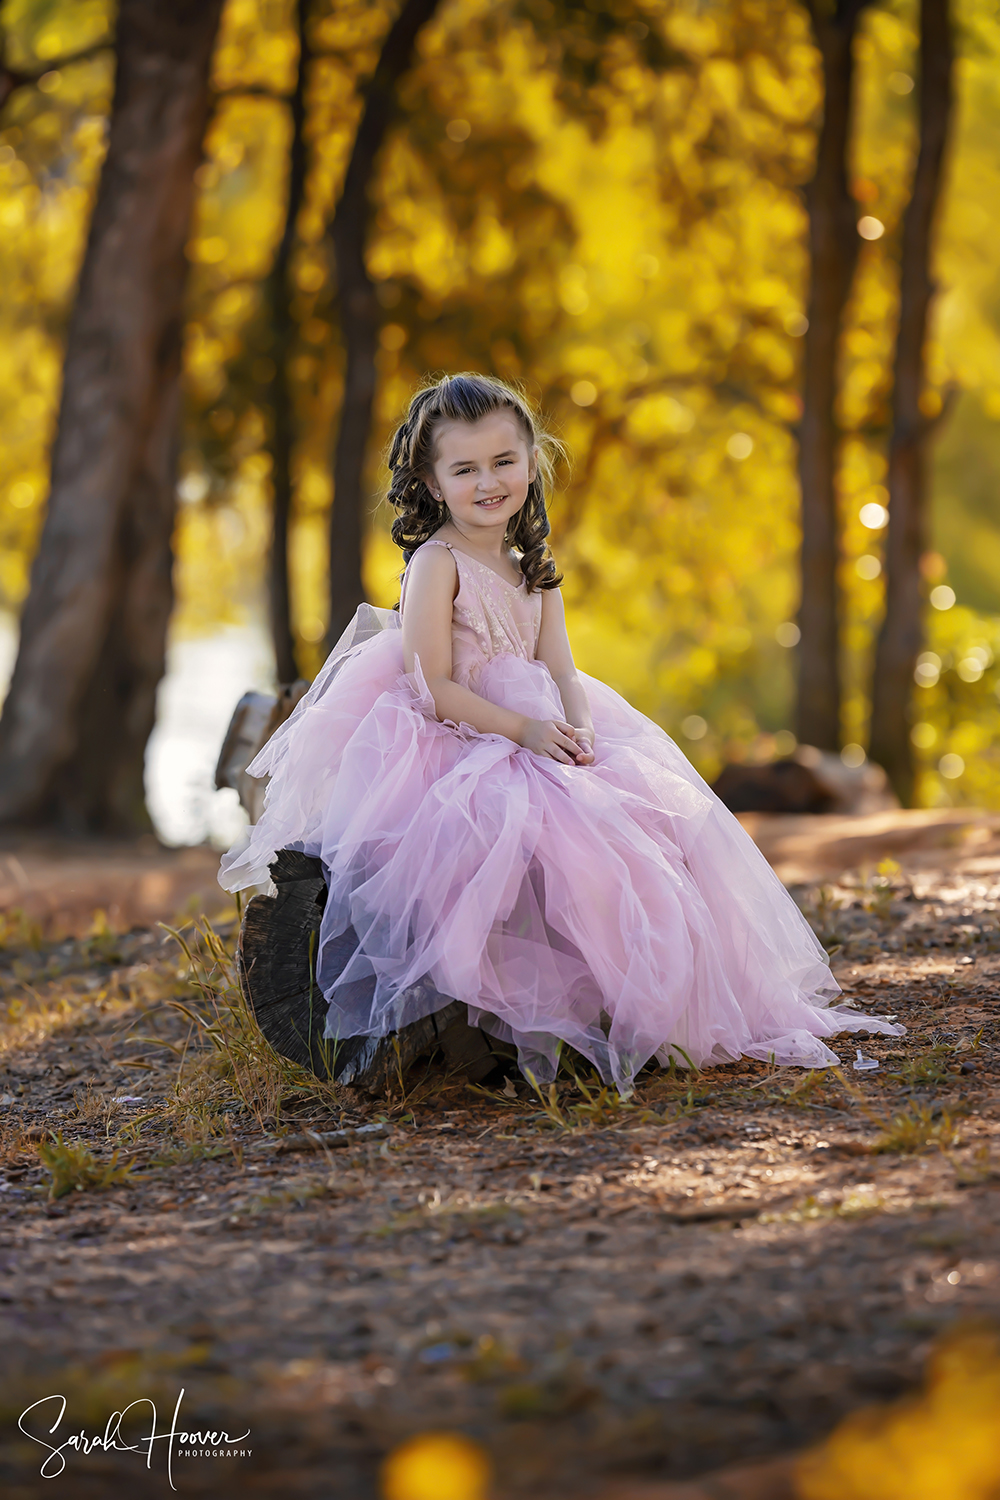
x: 833, y: 246
x: 279, y: 296
x: 359, y: 315
x: 82, y: 698
x: 901, y: 636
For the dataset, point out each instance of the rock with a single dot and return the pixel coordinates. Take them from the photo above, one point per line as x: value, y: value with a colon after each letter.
x: 810, y: 781
x: 860, y: 789
x: 782, y: 786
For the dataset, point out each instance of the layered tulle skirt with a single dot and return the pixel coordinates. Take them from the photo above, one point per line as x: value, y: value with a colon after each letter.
x: 617, y: 907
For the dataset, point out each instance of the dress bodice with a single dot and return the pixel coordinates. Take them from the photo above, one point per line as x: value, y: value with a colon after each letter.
x: 490, y: 617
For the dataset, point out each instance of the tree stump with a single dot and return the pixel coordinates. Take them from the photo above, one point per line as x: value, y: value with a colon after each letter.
x: 276, y: 963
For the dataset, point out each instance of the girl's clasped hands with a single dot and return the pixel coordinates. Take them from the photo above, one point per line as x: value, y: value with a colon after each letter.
x: 559, y: 740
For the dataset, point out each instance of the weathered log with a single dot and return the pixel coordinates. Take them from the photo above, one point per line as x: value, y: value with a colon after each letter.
x: 255, y: 718
x: 276, y: 961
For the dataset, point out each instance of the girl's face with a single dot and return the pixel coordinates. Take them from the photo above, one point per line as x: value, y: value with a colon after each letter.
x: 482, y: 471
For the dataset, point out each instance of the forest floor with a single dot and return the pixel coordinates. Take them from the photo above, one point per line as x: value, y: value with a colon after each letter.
x: 604, y: 1296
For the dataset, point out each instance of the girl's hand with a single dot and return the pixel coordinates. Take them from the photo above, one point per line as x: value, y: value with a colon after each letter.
x: 553, y: 738
x: 585, y: 746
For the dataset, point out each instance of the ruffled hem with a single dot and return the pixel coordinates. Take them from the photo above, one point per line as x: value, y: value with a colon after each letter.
x: 618, y: 908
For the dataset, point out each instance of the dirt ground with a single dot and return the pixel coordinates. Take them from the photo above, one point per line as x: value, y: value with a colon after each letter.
x: 603, y: 1297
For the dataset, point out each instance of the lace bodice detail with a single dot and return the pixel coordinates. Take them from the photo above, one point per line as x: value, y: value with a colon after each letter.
x: 490, y: 617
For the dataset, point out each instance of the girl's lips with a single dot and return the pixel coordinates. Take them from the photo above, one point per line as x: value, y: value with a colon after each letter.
x: 493, y: 502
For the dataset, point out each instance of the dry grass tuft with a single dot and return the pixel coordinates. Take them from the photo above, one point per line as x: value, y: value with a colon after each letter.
x: 598, y: 1106
x: 919, y: 1128
x: 929, y: 1069
x: 73, y: 1167
x: 878, y: 891
x: 235, y: 1061
x: 102, y: 944
x: 980, y: 1169
x: 95, y: 1108
x: 19, y: 931
x: 806, y: 1092
x: 823, y: 910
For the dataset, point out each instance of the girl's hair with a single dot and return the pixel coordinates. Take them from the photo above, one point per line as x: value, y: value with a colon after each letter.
x: 468, y: 398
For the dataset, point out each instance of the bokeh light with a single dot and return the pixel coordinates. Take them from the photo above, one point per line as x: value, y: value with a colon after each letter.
x: 436, y: 1466
x: 874, y: 516
x: 940, y: 1445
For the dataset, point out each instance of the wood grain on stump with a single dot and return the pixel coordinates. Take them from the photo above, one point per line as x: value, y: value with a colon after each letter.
x: 276, y: 962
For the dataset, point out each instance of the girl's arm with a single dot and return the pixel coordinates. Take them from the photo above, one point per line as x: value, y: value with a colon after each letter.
x: 432, y: 583
x: 555, y: 651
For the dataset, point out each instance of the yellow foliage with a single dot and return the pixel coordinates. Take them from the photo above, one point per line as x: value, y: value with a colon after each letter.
x: 619, y: 225
x: 940, y: 1445
x: 51, y: 149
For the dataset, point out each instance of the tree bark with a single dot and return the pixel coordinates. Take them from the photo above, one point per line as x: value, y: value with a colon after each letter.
x: 280, y: 294
x: 833, y: 244
x: 359, y: 317
x: 901, y: 637
x: 81, y: 704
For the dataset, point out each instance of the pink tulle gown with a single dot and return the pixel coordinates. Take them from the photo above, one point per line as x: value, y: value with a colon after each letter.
x: 619, y: 907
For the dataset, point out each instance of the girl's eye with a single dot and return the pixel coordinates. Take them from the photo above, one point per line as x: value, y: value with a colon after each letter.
x: 504, y: 461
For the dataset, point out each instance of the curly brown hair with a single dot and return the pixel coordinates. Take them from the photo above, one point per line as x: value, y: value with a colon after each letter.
x: 468, y: 398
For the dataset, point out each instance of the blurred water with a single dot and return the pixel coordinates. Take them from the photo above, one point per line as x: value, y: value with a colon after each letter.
x: 205, y: 678
x: 8, y: 650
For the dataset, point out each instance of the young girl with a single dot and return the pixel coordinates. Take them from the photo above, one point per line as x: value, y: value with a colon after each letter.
x: 500, y: 829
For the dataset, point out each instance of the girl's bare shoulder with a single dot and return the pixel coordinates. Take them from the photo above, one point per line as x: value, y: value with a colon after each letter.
x: 432, y: 567
x: 552, y: 603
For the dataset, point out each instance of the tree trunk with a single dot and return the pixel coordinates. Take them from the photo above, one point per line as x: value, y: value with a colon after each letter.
x: 279, y: 295
x: 359, y: 317
x: 276, y: 960
x: 81, y: 704
x: 9, y: 80
x: 833, y: 244
x: 901, y: 637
